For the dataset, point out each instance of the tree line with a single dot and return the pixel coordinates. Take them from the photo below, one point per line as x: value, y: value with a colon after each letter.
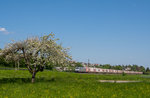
x: 133, y: 67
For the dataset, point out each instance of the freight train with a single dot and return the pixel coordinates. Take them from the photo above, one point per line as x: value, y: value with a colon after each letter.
x: 100, y: 70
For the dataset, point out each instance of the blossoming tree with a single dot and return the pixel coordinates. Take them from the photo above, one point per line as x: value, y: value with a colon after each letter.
x: 37, y: 52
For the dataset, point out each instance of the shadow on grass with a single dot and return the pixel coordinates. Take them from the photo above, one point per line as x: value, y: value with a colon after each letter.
x: 24, y: 80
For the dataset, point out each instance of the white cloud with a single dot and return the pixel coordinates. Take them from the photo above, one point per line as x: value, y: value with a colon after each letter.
x: 4, y: 31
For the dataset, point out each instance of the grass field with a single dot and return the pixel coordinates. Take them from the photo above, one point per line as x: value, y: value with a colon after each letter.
x: 49, y: 84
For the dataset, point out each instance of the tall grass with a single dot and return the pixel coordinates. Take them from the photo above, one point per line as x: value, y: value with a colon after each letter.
x: 49, y: 84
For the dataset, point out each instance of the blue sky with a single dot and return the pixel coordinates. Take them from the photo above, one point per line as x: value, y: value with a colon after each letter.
x: 104, y: 31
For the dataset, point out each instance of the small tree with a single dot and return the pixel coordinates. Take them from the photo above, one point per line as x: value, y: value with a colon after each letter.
x: 37, y: 52
x: 147, y: 69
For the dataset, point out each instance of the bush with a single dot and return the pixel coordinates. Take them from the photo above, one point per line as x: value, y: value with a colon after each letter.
x: 146, y: 73
x: 123, y: 74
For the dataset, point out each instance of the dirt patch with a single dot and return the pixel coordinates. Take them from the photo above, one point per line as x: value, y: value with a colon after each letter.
x: 118, y: 81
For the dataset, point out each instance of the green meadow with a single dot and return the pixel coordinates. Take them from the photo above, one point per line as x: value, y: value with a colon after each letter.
x: 52, y: 84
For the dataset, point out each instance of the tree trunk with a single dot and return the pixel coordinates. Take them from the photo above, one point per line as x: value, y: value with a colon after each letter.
x: 15, y: 66
x: 33, y: 77
x: 18, y: 65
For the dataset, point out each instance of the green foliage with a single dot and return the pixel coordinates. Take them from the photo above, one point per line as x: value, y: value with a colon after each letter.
x: 49, y: 66
x: 123, y: 74
x: 2, y: 62
x: 78, y: 64
x: 16, y: 84
x: 147, y: 69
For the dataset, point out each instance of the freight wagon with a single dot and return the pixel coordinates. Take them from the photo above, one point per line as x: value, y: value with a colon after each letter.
x: 100, y: 70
